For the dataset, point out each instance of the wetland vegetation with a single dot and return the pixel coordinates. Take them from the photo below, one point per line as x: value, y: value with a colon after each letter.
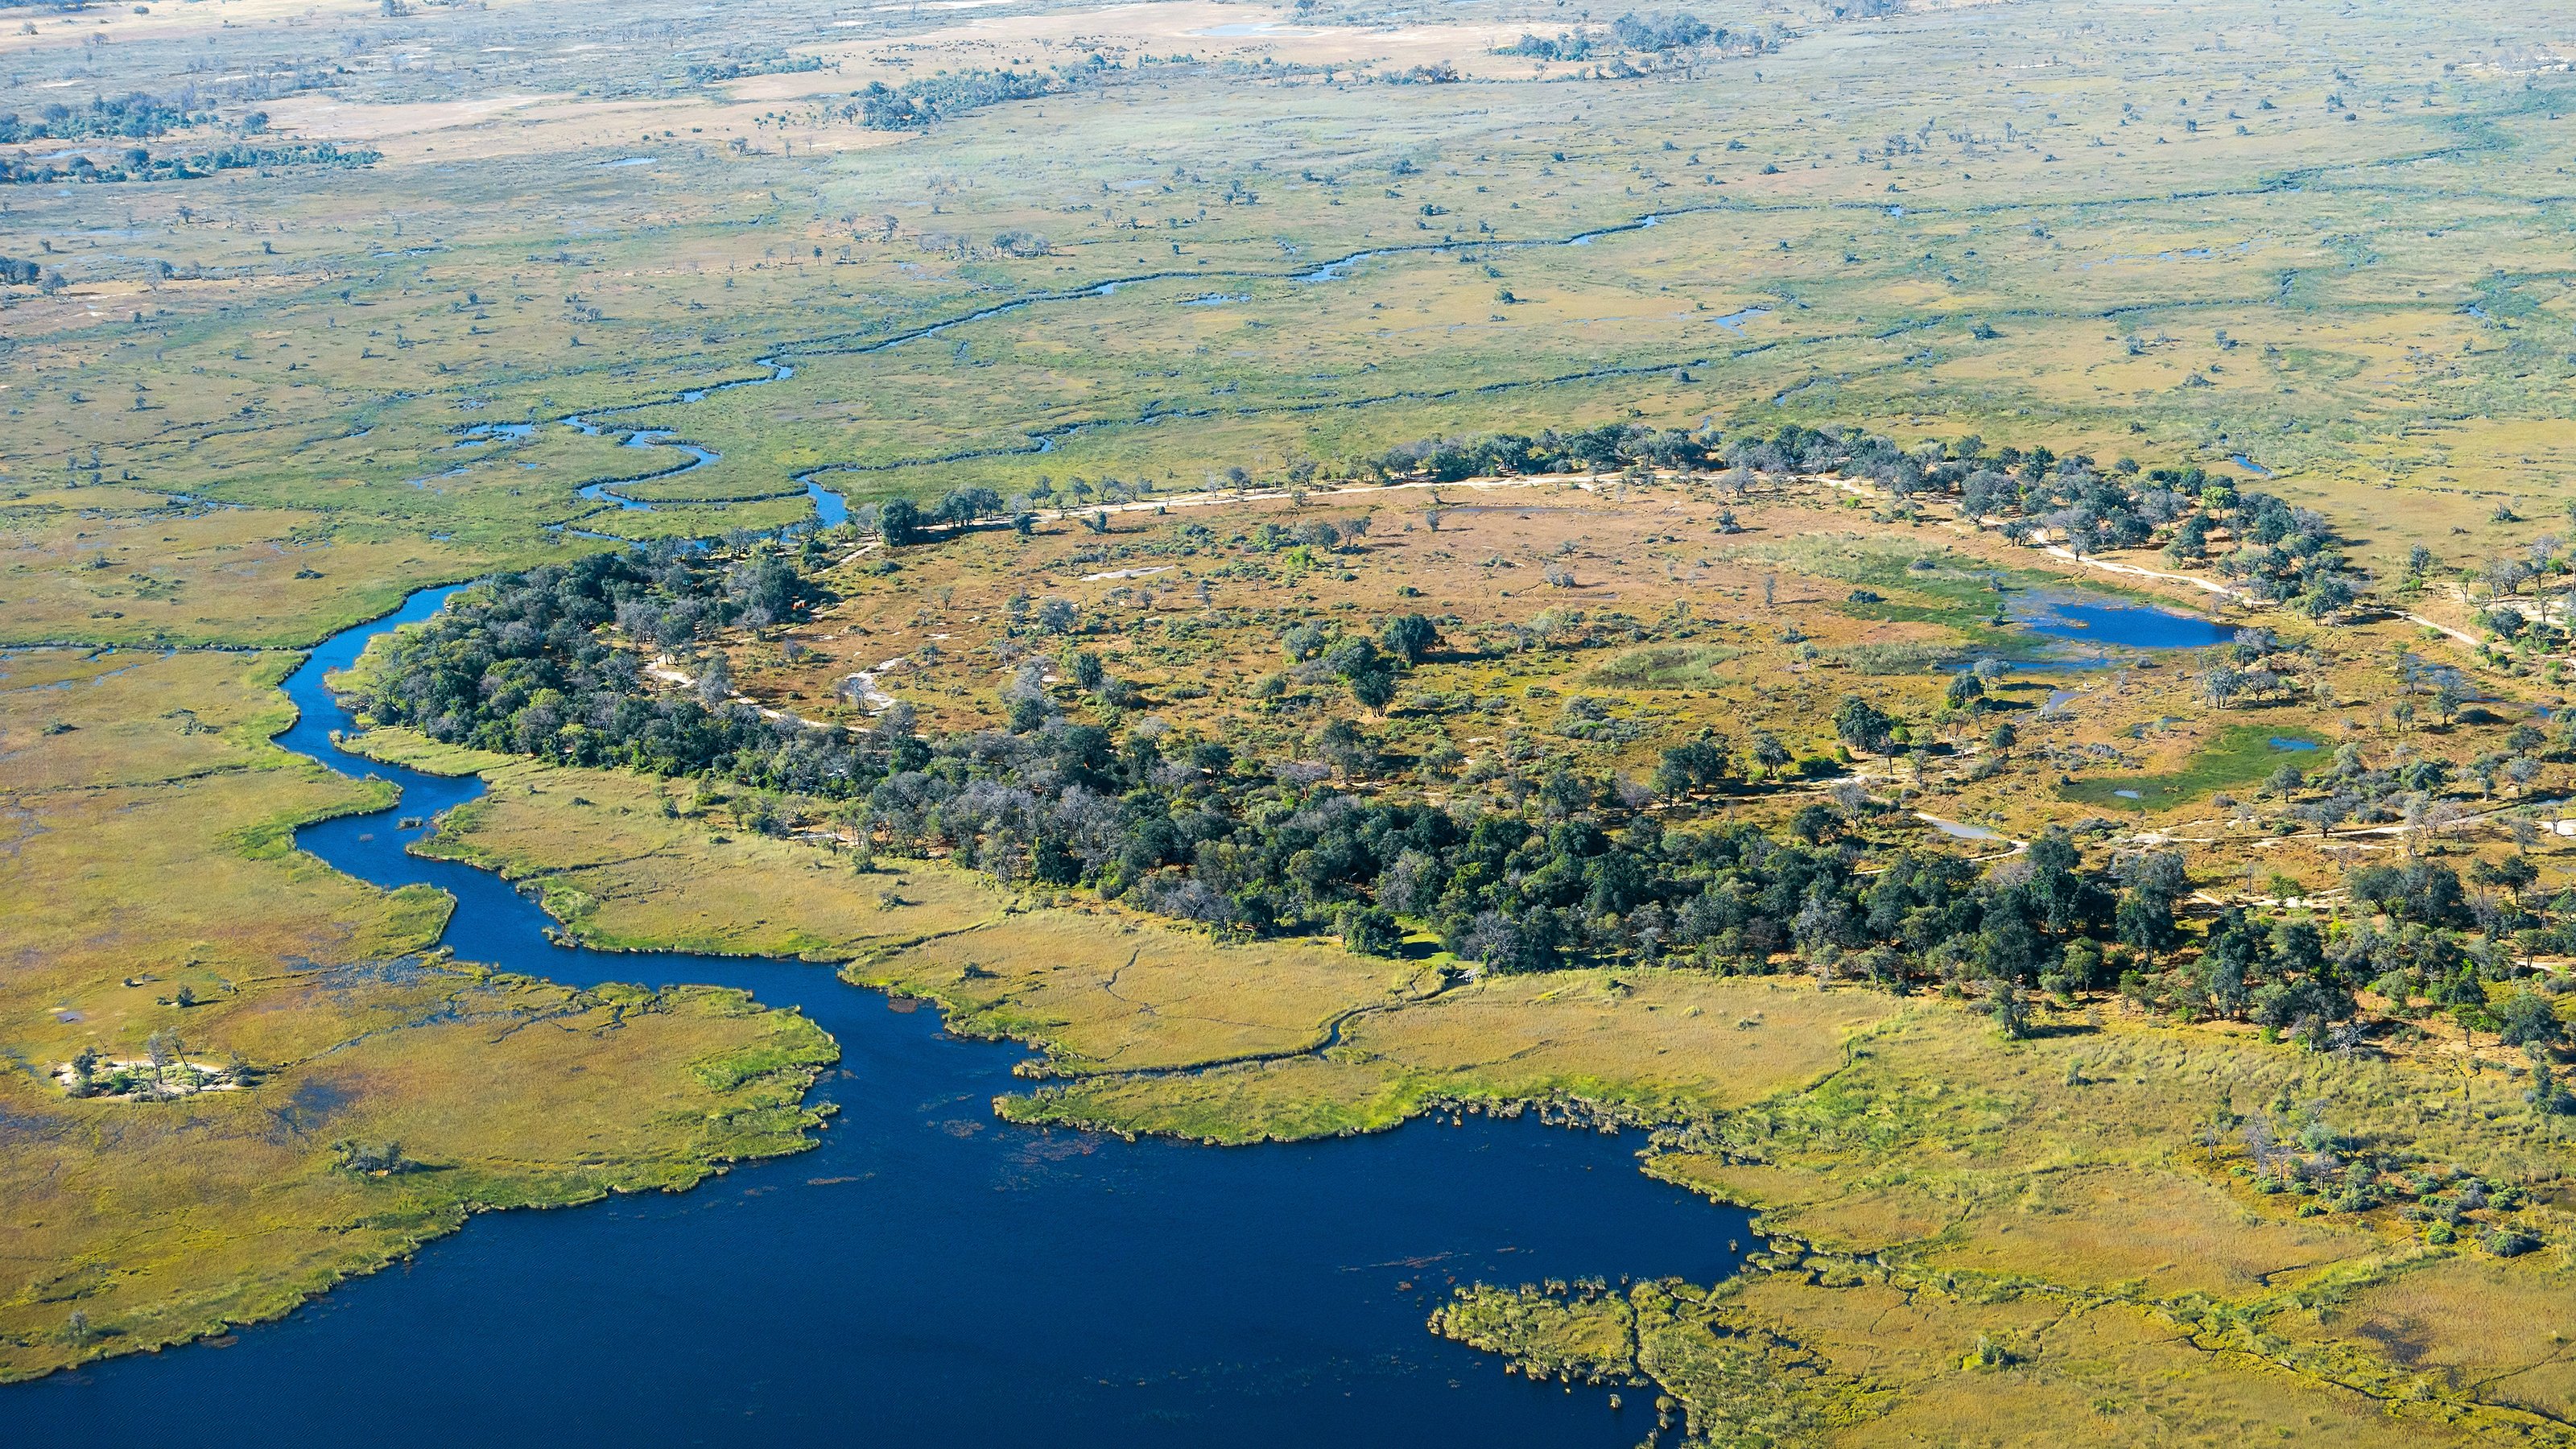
x: 1958, y: 614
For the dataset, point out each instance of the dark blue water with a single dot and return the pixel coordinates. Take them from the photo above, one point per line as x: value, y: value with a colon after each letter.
x: 928, y: 1274
x: 2125, y: 626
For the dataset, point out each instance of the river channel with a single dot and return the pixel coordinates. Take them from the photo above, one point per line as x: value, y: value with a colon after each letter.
x: 927, y: 1274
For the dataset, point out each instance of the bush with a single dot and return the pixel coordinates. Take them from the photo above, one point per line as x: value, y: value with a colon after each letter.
x: 1371, y: 930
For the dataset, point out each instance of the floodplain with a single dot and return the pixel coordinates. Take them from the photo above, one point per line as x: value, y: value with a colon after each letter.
x: 1957, y: 614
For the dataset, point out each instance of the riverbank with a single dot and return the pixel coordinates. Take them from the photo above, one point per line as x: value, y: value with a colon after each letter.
x: 1288, y: 1286
x: 381, y: 1089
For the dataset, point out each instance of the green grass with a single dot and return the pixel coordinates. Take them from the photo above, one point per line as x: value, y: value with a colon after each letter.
x: 1666, y: 666
x: 2240, y: 755
x: 331, y: 366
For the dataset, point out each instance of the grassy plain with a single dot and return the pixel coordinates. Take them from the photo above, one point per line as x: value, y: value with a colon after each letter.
x: 150, y: 885
x: 2326, y: 248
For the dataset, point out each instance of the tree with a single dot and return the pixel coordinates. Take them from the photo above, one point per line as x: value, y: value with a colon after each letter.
x: 1304, y: 641
x: 1965, y: 690
x: 1813, y: 823
x: 1410, y: 637
x: 2527, y: 1019
x: 2144, y: 919
x: 162, y: 1049
x: 2548, y: 1095
x: 899, y: 519
x: 1345, y: 748
x: 1672, y: 779
x: 84, y: 1074
x: 1375, y: 690
x: 2330, y: 594
x: 1370, y: 673
x: 715, y: 680
x: 1695, y: 765
x: 1057, y: 616
x: 1769, y: 753
x: 1862, y: 725
x: 963, y: 506
x: 1507, y: 943
x: 1371, y: 930
x: 2009, y: 1009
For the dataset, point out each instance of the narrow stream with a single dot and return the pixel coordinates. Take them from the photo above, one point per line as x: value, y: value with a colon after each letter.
x: 832, y: 509
x: 927, y: 1274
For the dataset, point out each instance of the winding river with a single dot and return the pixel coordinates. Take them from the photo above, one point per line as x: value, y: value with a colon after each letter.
x: 927, y: 1274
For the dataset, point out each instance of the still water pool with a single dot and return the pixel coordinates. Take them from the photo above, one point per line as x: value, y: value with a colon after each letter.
x: 2123, y: 626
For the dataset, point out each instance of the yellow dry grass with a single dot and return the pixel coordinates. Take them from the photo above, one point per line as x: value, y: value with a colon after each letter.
x: 2103, y: 1375
x: 2499, y: 1330
x: 110, y: 565
x: 1658, y: 1044
x: 145, y: 848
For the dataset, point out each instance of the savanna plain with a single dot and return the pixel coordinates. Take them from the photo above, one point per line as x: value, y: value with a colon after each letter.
x: 1955, y: 617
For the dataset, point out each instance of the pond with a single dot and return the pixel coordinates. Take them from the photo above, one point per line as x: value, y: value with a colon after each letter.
x: 2117, y: 625
x: 1958, y: 830
x: 928, y: 1274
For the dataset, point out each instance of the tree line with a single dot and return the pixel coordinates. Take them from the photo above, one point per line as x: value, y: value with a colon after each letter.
x: 2281, y: 554
x: 135, y: 116
x: 136, y: 163
x: 1574, y: 869
x: 550, y: 663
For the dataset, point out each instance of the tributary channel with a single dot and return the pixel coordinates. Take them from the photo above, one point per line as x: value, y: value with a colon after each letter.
x: 927, y: 1274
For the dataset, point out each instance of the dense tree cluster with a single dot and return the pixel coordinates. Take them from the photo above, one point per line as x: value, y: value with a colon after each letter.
x: 2403, y: 785
x: 135, y: 163
x: 1653, y: 32
x: 2281, y: 554
x: 551, y: 663
x: 902, y: 521
x: 920, y: 102
x: 2423, y: 942
x: 135, y: 117
x: 738, y: 67
x: 1609, y: 446
x: 526, y: 665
